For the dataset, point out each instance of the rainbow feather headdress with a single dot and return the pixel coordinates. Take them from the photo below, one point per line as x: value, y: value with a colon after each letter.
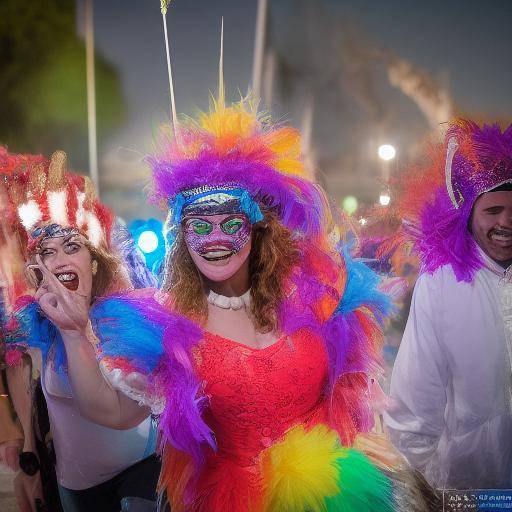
x: 436, y: 199
x: 232, y: 154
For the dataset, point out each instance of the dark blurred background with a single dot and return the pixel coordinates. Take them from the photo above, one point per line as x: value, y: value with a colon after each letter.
x: 353, y: 74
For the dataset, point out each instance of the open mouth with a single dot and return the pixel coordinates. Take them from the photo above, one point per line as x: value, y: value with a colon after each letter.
x: 69, y: 280
x: 217, y: 255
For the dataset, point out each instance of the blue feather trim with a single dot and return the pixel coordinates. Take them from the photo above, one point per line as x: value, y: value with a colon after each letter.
x: 130, y: 326
x: 34, y: 330
x: 362, y: 290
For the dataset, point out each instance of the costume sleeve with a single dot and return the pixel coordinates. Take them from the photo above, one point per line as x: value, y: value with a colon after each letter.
x: 147, y: 351
x: 27, y: 328
x: 129, y: 328
x: 415, y: 418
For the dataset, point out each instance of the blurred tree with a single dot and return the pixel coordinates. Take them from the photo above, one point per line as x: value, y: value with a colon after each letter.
x: 43, y: 97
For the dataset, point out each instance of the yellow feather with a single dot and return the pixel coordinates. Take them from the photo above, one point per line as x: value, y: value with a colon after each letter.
x: 300, y: 471
x: 290, y: 166
x: 240, y: 126
x: 227, y: 120
x: 285, y: 141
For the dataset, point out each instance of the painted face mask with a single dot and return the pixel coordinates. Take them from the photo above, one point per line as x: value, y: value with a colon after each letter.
x: 218, y: 244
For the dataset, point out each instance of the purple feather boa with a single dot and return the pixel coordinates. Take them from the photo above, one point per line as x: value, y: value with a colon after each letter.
x: 345, y: 340
x: 181, y: 422
x: 346, y: 343
x: 439, y: 230
x: 138, y: 332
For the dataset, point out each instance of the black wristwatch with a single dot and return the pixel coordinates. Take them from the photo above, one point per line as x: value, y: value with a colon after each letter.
x: 29, y: 463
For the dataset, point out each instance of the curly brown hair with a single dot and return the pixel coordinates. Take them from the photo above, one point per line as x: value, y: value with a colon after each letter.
x: 110, y: 276
x: 273, y: 255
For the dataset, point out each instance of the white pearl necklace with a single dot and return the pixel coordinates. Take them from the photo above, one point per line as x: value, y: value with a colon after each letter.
x: 235, y: 303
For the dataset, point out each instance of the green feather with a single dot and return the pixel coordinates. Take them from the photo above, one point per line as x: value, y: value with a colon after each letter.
x: 362, y: 486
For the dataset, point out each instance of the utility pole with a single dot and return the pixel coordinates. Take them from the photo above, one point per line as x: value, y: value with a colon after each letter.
x: 91, y: 94
x: 259, y: 47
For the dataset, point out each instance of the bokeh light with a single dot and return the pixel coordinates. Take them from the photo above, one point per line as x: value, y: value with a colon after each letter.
x: 387, y: 152
x: 384, y: 199
x: 350, y: 204
x: 148, y: 241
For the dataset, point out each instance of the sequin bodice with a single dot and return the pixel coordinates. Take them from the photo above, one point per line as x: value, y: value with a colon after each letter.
x: 256, y: 395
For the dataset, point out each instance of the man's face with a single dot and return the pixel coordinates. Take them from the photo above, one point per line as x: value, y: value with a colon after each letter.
x: 491, y: 224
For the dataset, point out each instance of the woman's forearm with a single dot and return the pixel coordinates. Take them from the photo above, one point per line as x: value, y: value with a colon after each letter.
x: 10, y: 430
x: 19, y: 381
x: 96, y: 399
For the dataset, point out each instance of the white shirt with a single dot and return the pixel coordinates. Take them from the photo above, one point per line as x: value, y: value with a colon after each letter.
x: 450, y: 411
x: 88, y: 454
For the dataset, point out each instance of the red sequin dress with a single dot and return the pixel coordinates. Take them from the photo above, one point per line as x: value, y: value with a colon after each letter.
x: 255, y: 397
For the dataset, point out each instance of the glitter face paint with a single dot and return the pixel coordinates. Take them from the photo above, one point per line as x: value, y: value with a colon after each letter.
x: 218, y: 244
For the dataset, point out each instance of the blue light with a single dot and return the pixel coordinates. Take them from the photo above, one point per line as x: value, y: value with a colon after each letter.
x: 150, y: 241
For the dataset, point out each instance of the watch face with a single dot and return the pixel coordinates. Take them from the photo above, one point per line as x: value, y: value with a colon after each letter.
x: 29, y: 463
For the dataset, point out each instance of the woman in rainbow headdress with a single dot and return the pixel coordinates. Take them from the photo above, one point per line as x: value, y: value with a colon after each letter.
x: 256, y: 354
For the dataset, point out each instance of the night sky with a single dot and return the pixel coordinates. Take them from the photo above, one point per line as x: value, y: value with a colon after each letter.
x: 466, y: 42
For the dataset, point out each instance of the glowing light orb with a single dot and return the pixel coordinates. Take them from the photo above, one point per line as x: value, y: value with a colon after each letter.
x: 384, y: 199
x: 148, y: 241
x: 387, y: 152
x: 350, y: 204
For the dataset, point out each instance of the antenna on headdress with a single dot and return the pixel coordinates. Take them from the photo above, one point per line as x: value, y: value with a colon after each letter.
x: 164, y: 4
x: 221, y: 98
x: 450, y: 153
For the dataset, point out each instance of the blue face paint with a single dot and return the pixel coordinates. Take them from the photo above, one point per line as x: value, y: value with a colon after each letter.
x: 215, y: 201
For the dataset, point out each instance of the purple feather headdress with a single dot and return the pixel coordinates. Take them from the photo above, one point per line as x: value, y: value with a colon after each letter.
x: 234, y: 148
x: 436, y: 199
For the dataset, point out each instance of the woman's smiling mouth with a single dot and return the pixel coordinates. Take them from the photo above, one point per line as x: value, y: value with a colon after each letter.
x: 217, y: 255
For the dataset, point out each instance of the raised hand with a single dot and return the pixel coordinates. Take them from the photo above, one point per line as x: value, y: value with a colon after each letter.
x: 67, y: 309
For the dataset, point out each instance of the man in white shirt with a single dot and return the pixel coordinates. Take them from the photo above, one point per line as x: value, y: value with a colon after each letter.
x: 450, y: 412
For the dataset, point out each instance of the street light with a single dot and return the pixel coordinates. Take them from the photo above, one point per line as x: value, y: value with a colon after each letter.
x: 386, y: 152
x: 149, y: 238
x: 384, y: 199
